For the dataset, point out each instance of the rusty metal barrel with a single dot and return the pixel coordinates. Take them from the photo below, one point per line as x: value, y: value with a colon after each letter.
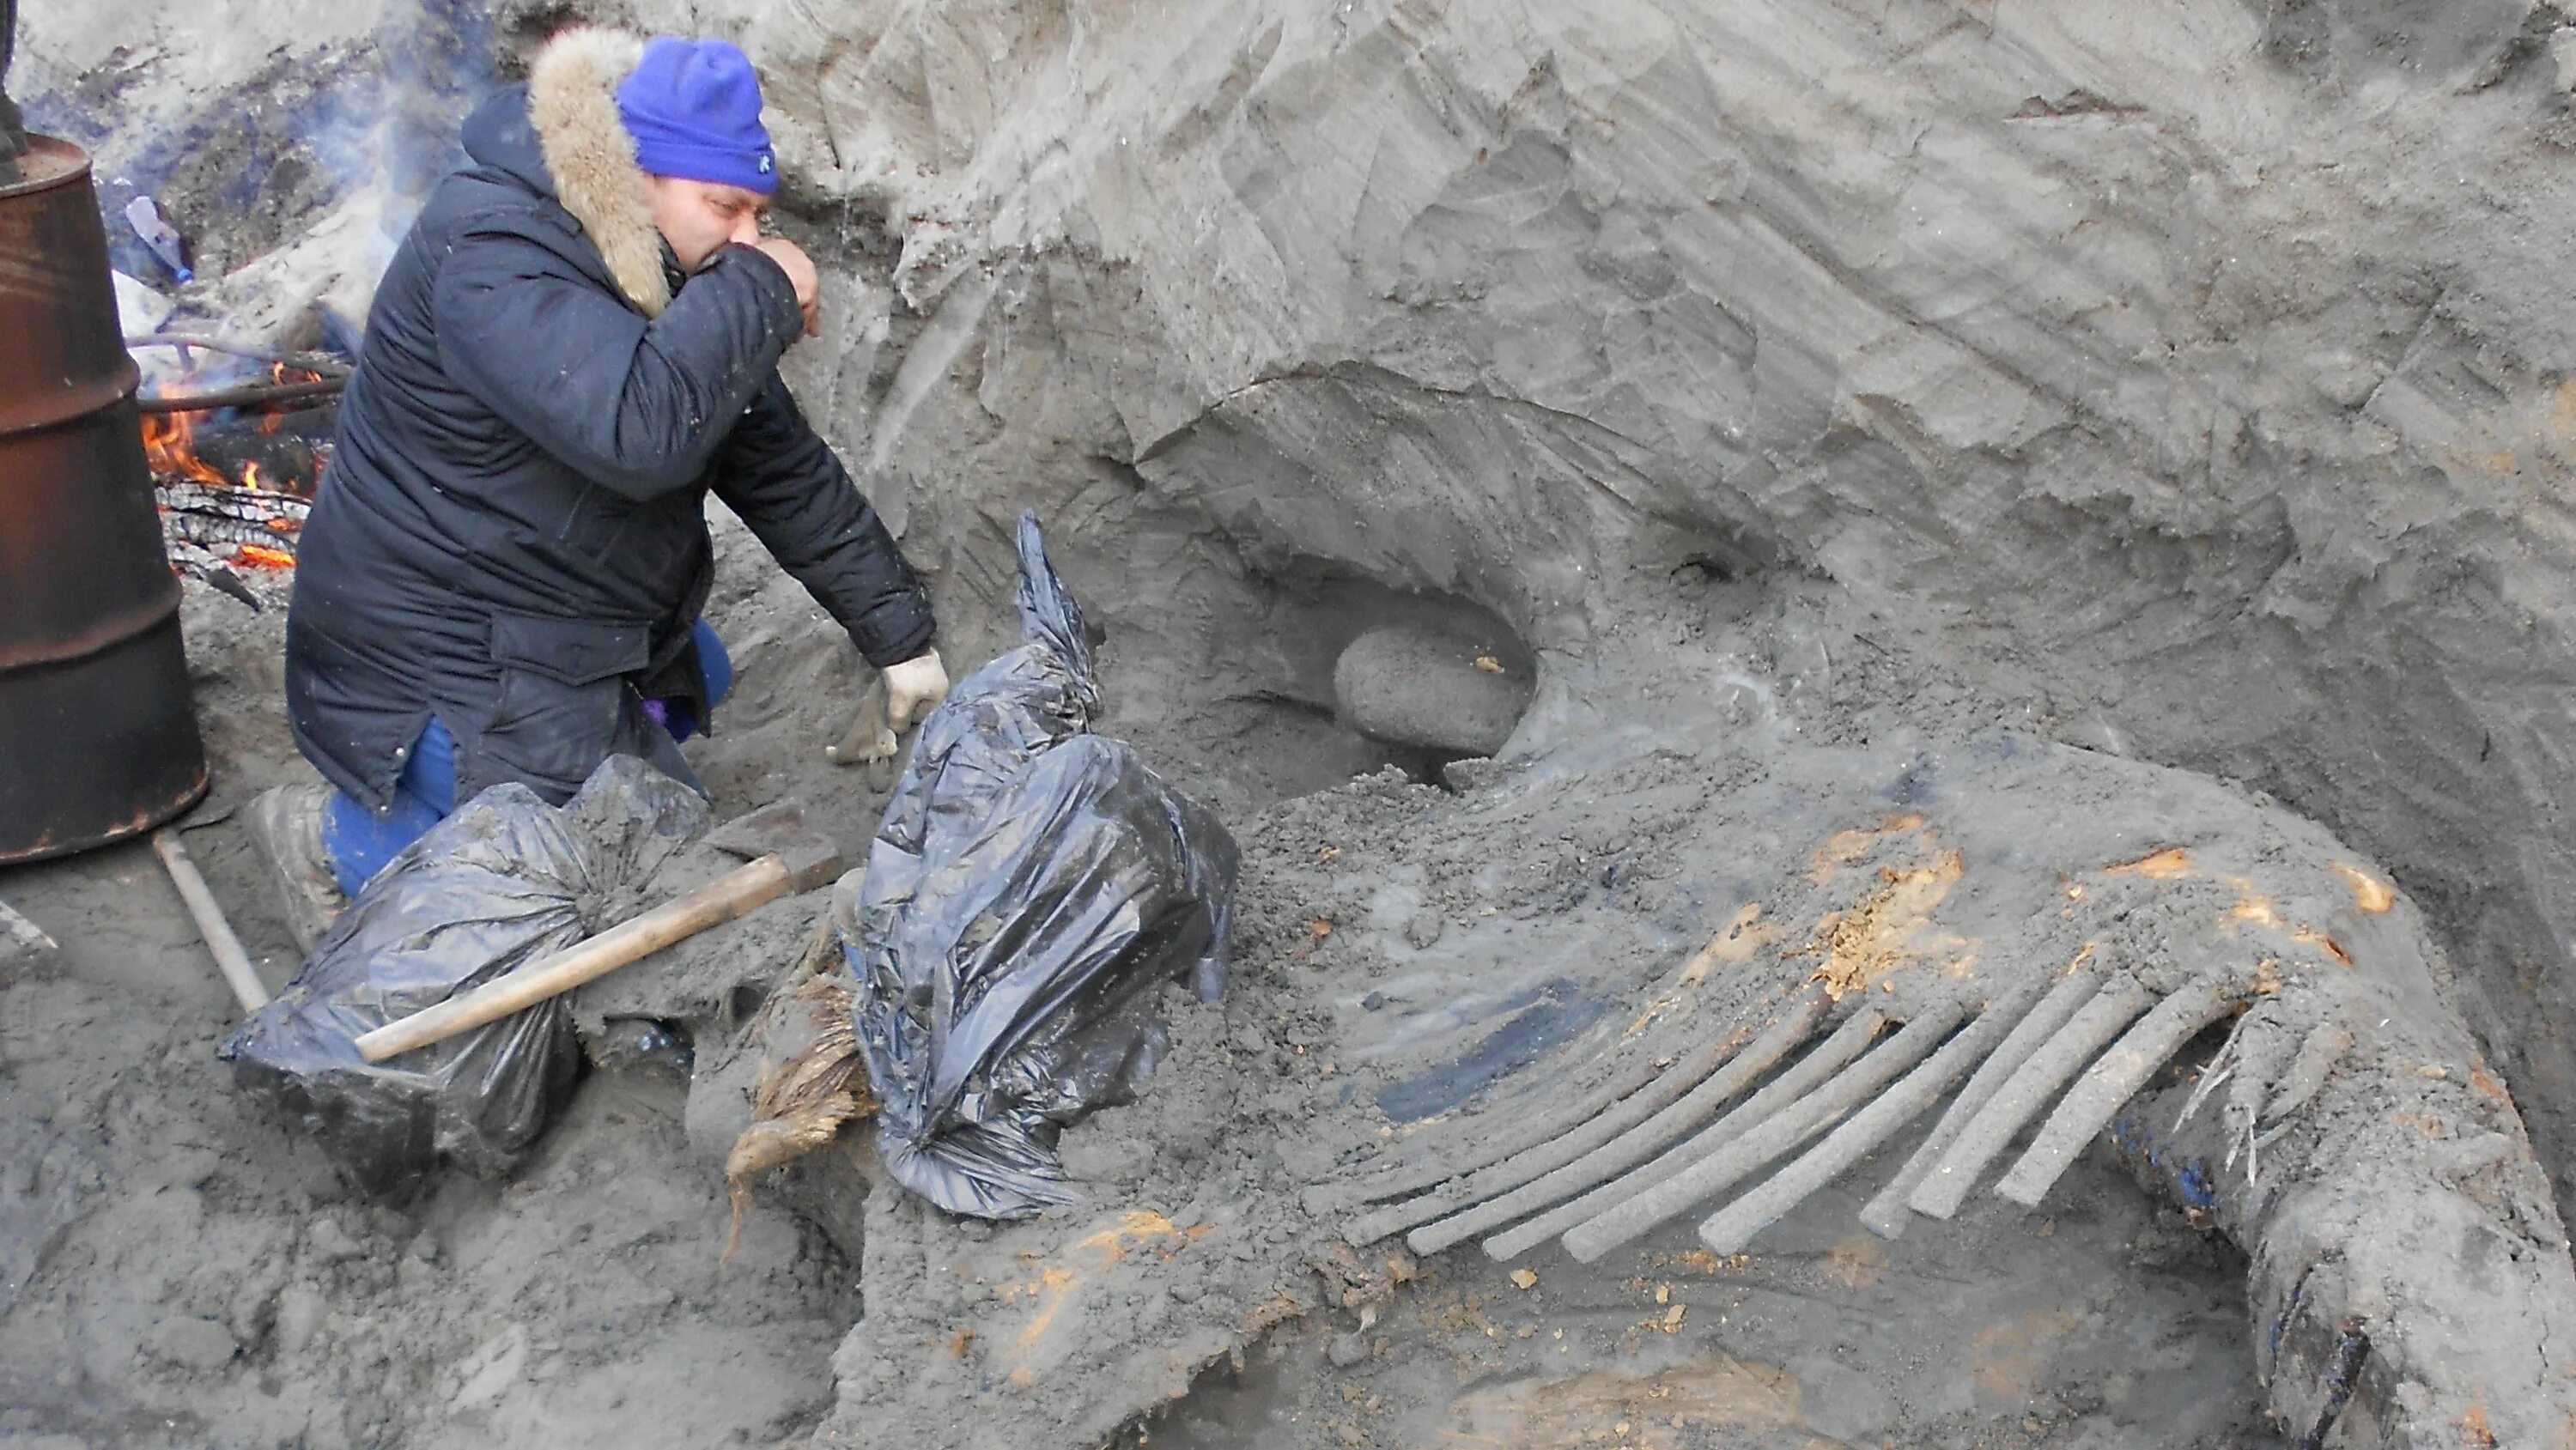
x: 98, y: 739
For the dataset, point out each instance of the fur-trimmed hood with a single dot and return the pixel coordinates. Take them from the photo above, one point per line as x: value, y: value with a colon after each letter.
x: 518, y: 492
x: 563, y: 138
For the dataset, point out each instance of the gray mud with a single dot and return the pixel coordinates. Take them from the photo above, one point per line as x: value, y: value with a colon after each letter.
x: 1836, y: 414
x: 1399, y: 983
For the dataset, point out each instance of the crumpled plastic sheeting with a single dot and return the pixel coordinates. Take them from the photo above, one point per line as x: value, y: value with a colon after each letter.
x: 504, y: 881
x: 1031, y: 887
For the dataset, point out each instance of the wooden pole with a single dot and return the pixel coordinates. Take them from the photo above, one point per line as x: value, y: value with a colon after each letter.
x: 230, y: 959
x: 733, y: 894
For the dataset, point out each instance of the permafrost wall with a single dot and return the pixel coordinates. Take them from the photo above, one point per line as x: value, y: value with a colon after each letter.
x: 2188, y: 379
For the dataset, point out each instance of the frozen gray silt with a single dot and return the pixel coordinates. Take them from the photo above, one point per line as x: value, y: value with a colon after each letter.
x: 2189, y: 369
x: 1410, y: 687
x: 2186, y: 375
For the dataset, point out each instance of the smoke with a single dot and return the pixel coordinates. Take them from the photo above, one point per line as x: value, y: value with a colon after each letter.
x: 292, y: 142
x: 399, y: 133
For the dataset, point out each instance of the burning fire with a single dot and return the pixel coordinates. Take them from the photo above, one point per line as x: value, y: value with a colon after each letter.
x: 169, y: 445
x: 271, y: 422
x: 247, y: 521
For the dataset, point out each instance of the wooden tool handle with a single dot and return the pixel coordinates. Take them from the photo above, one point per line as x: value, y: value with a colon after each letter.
x: 742, y: 890
x: 230, y: 959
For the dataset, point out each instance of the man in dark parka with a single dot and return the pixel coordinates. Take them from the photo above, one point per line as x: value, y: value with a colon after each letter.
x: 578, y: 341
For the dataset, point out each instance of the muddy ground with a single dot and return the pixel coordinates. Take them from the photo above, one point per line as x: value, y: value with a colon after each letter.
x: 180, y: 1272
x: 1806, y: 398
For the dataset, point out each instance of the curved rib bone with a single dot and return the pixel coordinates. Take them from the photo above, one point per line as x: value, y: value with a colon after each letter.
x: 1712, y: 1164
x: 1634, y: 1144
x: 1885, y: 1214
x: 1619, y: 1160
x: 2112, y: 1081
x: 2025, y: 1093
x: 1570, y: 1138
x: 1525, y: 1133
x: 1729, y: 1229
x: 1658, y: 1077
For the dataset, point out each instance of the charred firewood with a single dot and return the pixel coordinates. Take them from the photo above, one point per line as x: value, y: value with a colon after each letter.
x: 196, y: 563
x: 280, y: 513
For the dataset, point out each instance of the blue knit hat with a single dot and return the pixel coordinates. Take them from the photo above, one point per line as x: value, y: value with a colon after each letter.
x: 693, y: 107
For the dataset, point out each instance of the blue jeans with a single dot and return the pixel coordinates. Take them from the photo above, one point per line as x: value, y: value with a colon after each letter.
x: 359, y: 842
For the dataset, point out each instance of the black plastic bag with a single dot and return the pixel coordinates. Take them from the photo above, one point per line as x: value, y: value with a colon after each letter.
x: 506, y: 880
x: 1030, y: 889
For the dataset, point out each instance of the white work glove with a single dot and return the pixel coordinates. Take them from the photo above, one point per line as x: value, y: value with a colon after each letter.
x: 912, y: 688
x: 902, y: 695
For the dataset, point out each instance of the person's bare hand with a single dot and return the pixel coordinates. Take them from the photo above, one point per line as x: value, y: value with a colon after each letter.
x: 800, y: 274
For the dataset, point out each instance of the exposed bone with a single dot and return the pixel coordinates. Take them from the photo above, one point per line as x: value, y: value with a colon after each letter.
x: 1646, y: 1085
x: 2263, y: 1046
x: 1490, y: 1143
x: 1625, y: 1152
x: 1631, y: 1146
x: 2025, y: 1093
x: 2217, y: 1071
x: 1720, y: 1165
x: 2210, y: 1080
x: 2325, y: 1044
x: 2112, y: 1081
x: 1885, y: 1215
x: 1729, y: 1229
x: 1556, y: 1139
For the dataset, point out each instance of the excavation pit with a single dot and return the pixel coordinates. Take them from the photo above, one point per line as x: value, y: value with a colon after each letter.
x: 2117, y: 442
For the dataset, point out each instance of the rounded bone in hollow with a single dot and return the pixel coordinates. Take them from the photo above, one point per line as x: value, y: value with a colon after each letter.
x: 1410, y: 686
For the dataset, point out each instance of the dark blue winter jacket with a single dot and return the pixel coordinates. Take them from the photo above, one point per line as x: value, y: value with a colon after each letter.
x: 511, y: 532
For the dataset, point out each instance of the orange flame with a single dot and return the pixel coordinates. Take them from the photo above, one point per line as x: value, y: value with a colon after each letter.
x: 271, y: 422
x: 168, y: 445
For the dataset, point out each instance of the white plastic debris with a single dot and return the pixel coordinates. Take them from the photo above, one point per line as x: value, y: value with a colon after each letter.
x: 144, y: 215
x: 139, y: 309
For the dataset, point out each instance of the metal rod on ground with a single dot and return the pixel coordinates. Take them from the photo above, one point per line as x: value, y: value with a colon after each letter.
x: 1886, y: 1214
x: 311, y: 362
x: 2112, y: 1081
x: 1603, y: 1169
x: 1729, y: 1229
x: 1727, y: 1164
x: 1630, y: 1147
x: 2020, y: 1099
x: 230, y: 959
x: 240, y: 397
x: 18, y: 934
x: 733, y: 894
